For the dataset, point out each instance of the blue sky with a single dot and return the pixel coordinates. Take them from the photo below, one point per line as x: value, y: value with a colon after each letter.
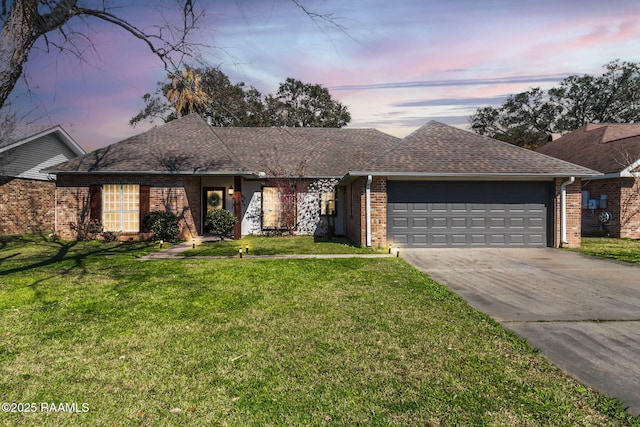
x: 395, y: 65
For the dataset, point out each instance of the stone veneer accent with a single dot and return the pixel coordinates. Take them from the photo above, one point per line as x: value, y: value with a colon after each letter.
x: 26, y: 206
x: 176, y: 193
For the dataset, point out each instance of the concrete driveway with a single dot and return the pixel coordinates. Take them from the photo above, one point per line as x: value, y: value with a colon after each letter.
x: 583, y: 313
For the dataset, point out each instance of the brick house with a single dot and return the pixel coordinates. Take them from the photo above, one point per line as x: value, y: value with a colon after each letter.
x: 440, y: 186
x: 610, y: 201
x: 27, y: 203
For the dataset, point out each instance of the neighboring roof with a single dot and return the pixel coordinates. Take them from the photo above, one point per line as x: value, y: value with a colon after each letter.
x: 190, y: 145
x: 27, y: 156
x: 605, y: 147
x: 56, y: 130
x: 437, y: 149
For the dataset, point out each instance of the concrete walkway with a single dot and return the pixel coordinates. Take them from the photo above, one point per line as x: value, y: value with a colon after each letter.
x: 583, y: 313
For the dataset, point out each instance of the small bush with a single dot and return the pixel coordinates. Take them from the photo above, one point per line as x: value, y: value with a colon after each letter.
x: 219, y: 222
x: 87, y: 230
x: 109, y: 236
x: 163, y: 224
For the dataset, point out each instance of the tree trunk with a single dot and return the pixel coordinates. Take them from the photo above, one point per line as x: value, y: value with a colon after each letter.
x: 22, y: 27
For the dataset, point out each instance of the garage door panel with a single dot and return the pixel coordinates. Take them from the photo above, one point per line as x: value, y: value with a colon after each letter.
x: 536, y: 239
x: 439, y: 223
x: 458, y: 223
x: 497, y: 222
x: 400, y: 207
x: 420, y: 239
x: 468, y: 213
x: 516, y: 222
x: 479, y: 223
x: 478, y: 239
x: 400, y: 222
x: 536, y: 223
x: 459, y: 239
x: 419, y: 222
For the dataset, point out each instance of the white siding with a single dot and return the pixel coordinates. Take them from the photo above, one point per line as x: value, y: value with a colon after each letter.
x: 26, y: 160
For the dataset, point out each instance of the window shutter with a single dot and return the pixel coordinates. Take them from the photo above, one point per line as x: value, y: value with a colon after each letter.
x: 95, y: 202
x: 145, y: 205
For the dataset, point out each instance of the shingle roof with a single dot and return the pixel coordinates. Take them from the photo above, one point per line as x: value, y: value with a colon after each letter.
x: 312, y: 152
x: 437, y: 149
x: 184, y: 145
x: 190, y: 145
x: 605, y: 147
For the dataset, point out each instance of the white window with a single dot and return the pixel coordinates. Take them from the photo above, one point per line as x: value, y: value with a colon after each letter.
x: 121, y: 207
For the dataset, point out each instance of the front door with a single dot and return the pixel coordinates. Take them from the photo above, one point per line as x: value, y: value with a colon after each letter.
x: 212, y: 199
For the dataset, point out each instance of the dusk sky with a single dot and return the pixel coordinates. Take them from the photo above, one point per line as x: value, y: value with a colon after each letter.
x: 396, y: 66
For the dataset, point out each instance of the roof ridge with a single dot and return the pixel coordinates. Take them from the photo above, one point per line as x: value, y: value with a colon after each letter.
x: 224, y: 144
x: 396, y: 145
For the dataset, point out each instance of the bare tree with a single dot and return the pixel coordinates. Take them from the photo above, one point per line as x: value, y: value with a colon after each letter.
x: 24, y: 22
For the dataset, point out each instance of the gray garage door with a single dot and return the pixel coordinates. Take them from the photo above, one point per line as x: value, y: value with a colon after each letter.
x: 429, y: 214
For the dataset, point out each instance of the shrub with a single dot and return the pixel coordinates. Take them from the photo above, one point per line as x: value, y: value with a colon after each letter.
x: 86, y: 230
x: 219, y: 222
x: 163, y: 224
x: 109, y: 236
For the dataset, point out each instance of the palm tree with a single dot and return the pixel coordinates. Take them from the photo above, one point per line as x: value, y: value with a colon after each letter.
x: 186, y: 94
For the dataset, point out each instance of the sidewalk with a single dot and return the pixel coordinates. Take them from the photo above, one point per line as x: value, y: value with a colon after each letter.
x: 174, y: 251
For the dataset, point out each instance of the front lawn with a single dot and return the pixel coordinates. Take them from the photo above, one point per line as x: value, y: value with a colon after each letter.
x: 243, y: 342
x: 271, y: 245
x: 621, y: 249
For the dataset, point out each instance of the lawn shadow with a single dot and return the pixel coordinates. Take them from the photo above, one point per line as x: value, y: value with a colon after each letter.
x: 63, y: 254
x: 336, y: 239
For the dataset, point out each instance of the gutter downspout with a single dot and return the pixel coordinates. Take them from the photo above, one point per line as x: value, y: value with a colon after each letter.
x: 563, y: 214
x: 368, y: 209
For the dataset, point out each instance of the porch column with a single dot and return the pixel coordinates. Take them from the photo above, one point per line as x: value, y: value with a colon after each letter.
x: 237, y: 207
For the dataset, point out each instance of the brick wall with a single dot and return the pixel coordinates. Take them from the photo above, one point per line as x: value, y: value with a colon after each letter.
x: 379, y: 211
x: 623, y: 201
x: 574, y: 214
x: 356, y: 205
x: 590, y: 217
x: 630, y: 208
x: 176, y: 193
x: 26, y: 206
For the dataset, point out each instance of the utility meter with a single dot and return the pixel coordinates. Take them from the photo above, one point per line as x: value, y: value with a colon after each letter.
x: 605, y: 217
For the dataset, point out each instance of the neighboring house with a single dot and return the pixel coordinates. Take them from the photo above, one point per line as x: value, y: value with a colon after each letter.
x: 611, y: 201
x: 440, y: 186
x: 27, y: 203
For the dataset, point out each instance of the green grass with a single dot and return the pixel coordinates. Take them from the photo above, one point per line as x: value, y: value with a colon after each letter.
x: 265, y: 245
x: 620, y: 249
x: 241, y: 342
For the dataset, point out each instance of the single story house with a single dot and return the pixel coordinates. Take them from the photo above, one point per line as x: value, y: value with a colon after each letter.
x: 439, y: 186
x: 610, y: 201
x: 27, y: 203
